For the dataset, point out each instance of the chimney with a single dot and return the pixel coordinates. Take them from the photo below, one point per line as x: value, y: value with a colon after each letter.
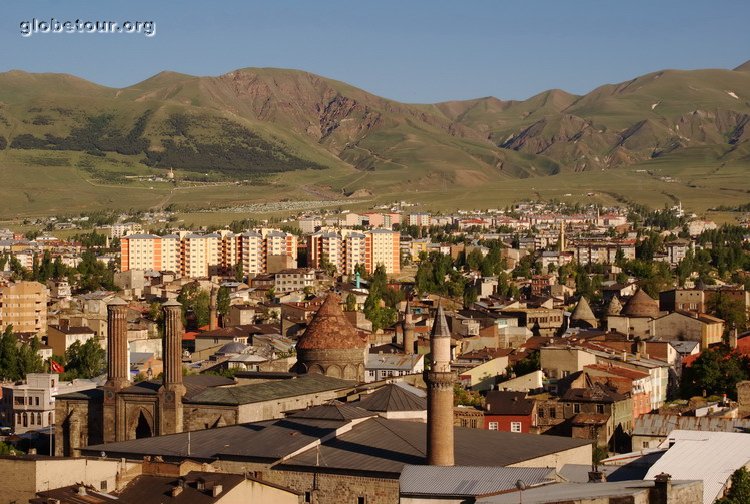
x: 733, y: 336
x: 597, y: 477
x: 439, y: 379
x: 213, y: 317
x: 216, y: 490
x: 662, y: 488
x: 176, y: 490
x: 81, y: 490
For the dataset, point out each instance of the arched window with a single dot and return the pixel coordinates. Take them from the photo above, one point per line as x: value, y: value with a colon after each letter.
x: 39, y: 419
x: 25, y: 420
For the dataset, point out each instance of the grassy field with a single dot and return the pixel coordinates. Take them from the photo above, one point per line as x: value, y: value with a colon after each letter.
x: 38, y: 183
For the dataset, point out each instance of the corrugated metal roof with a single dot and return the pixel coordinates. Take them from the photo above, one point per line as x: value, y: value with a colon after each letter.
x: 661, y: 425
x: 708, y: 456
x: 258, y: 392
x: 468, y: 481
x: 574, y: 492
x: 391, y: 397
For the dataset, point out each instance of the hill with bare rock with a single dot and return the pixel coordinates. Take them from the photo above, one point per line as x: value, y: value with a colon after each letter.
x: 258, y: 122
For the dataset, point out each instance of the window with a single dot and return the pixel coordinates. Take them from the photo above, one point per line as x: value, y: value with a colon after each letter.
x: 308, y: 497
x: 576, y: 408
x: 361, y: 500
x: 541, y: 413
x: 600, y: 408
x: 553, y: 413
x: 493, y: 425
x: 103, y: 485
x: 515, y: 426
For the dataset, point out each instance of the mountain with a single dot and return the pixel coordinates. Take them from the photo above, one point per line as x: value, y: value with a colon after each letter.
x: 258, y: 121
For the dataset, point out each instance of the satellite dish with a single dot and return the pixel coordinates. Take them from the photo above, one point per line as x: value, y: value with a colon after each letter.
x: 521, y: 485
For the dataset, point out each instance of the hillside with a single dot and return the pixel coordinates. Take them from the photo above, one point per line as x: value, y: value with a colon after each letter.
x: 257, y: 122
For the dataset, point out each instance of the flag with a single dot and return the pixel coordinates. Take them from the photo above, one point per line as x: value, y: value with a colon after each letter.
x: 56, y: 367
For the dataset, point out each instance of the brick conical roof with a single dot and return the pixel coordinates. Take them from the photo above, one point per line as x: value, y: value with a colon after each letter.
x: 641, y: 305
x: 330, y: 329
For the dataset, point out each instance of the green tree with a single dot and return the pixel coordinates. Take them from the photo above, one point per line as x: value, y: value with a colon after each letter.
x: 351, y: 302
x: 239, y: 272
x: 222, y: 303
x: 730, y: 309
x: 195, y: 304
x: 739, y: 491
x: 29, y: 360
x: 85, y: 360
x: 715, y: 372
x: 528, y: 364
x: 9, y: 366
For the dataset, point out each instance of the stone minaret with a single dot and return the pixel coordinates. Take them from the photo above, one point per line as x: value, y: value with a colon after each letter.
x: 118, y: 370
x: 439, y: 381
x: 408, y: 330
x: 172, y: 389
x: 213, y: 315
x: 561, y: 241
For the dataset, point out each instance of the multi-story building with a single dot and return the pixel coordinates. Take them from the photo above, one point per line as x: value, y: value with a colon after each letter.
x: 290, y: 280
x: 419, y: 219
x: 201, y: 255
x: 31, y: 406
x: 355, y: 251
x: 326, y: 247
x: 603, y: 252
x: 125, y: 228
x: 383, y: 247
x: 24, y: 306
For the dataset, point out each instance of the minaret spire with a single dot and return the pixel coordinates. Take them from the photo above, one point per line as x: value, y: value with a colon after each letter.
x: 440, y: 379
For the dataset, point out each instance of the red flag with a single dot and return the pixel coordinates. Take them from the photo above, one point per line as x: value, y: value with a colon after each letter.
x: 56, y: 367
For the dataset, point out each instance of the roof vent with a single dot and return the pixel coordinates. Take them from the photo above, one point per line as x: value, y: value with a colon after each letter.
x: 81, y: 490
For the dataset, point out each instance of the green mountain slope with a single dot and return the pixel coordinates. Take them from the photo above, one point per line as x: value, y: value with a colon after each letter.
x: 259, y: 121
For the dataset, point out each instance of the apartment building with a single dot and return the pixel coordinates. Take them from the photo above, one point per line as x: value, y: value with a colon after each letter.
x: 196, y: 255
x: 24, y: 306
x: 383, y: 247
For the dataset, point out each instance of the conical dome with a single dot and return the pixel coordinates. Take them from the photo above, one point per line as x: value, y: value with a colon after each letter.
x: 614, y: 307
x: 641, y: 305
x: 582, y: 314
x: 582, y: 311
x: 330, y: 329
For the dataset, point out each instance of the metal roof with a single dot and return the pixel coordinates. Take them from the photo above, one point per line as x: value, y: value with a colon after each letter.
x: 661, y: 425
x: 392, y: 397
x: 575, y: 492
x: 708, y: 456
x: 468, y: 481
x: 267, y: 391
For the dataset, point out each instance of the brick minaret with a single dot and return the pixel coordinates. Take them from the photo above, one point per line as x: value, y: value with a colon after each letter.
x: 213, y: 310
x: 439, y: 379
x: 408, y: 330
x: 118, y: 370
x: 172, y: 389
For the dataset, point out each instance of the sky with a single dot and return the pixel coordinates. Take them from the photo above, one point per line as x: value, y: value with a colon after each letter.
x: 417, y: 51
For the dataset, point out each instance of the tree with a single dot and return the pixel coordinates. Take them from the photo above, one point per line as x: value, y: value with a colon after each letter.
x: 84, y: 360
x: 739, y: 491
x: 222, y: 303
x: 714, y: 372
x: 528, y: 364
x: 730, y: 309
x: 195, y: 301
x: 351, y: 302
x: 239, y: 272
x: 9, y: 368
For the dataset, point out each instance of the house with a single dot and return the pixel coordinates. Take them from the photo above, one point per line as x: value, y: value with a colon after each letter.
x: 195, y: 486
x: 509, y: 412
x: 596, y: 411
x: 631, y: 382
x: 381, y: 366
x: 692, y: 326
x: 482, y: 376
x: 61, y: 337
x: 397, y: 400
x: 636, y: 316
x: 559, y: 361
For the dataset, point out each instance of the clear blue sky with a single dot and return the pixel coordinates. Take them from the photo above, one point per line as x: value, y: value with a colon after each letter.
x: 409, y: 50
